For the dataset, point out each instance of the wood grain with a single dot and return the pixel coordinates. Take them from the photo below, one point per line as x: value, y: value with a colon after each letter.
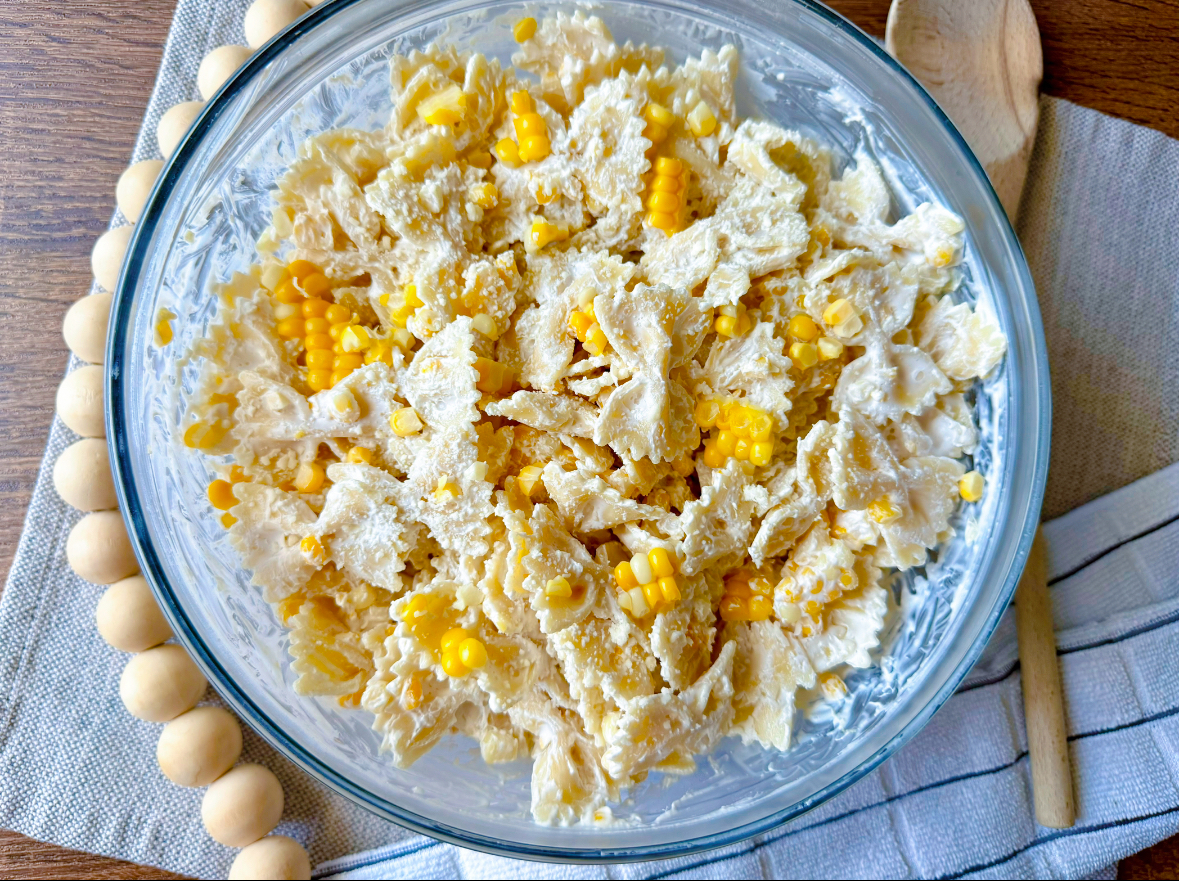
x: 75, y: 76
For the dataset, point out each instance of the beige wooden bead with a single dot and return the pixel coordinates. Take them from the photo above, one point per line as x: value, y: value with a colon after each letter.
x: 242, y: 806
x: 79, y: 401
x: 175, y: 123
x: 128, y: 617
x: 218, y: 66
x: 135, y: 185
x: 98, y: 548
x: 84, y: 327
x: 82, y: 476
x: 275, y: 856
x: 161, y: 683
x: 265, y: 18
x: 199, y: 746
x: 106, y: 260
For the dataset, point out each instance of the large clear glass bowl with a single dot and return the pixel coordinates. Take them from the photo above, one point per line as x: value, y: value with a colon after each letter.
x: 803, y: 66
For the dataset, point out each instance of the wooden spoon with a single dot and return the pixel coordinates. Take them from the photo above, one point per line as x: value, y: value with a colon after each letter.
x: 982, y: 62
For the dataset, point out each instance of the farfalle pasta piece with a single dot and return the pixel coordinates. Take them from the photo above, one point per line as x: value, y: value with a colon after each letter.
x: 720, y: 522
x: 946, y: 429
x: 769, y: 666
x: 853, y: 625
x: 750, y: 149
x: 455, y: 496
x: 562, y: 414
x: 753, y: 366
x: 553, y: 553
x: 682, y: 635
x: 965, y: 344
x: 890, y: 380
x: 266, y: 534
x: 569, y: 53
x: 589, y: 503
x: 440, y: 382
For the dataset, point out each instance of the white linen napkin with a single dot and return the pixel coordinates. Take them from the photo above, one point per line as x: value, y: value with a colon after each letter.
x: 1098, y: 214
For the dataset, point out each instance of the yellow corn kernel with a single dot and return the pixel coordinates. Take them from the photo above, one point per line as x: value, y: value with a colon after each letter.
x: 579, y: 323
x: 543, y: 233
x: 337, y: 314
x: 640, y: 567
x: 683, y: 466
x: 595, y: 340
x: 830, y: 349
x: 734, y: 608
x: 804, y: 355
x: 661, y: 220
x: 520, y: 102
x: 411, y: 694
x: 942, y: 256
x: 970, y: 486
x: 237, y: 475
x: 444, y: 108
x: 883, y: 510
x: 507, y: 152
x: 227, y: 520
x: 529, y: 478
x: 726, y: 443
x: 558, y: 587
x: 316, y: 285
x: 163, y: 334
x: 664, y: 183
x: 317, y: 325
x: 360, y: 456
x: 624, y: 576
x: 701, y: 120
x: 473, y: 653
x: 309, y: 478
x: 661, y: 564
x: 314, y: 307
x: 624, y: 602
x: 534, y: 148
x: 803, y: 328
x: 484, y: 195
x: 348, y: 361
x: 655, y: 133
x: 402, y: 338
x: 405, y: 422
x: 813, y: 608
x: 665, y: 165
x: 318, y: 341
x: 452, y: 638
x: 300, y: 269
x: 713, y: 457
x: 376, y: 352
x: 485, y: 325
x: 524, y: 29
x: 282, y: 311
x: 669, y: 589
x: 288, y: 292
x: 838, y: 312
x: 221, y: 495
x: 452, y: 663
x: 707, y: 412
x: 760, y: 608
x: 445, y: 489
x: 741, y: 449
x: 666, y: 203
x: 492, y: 376
x: 744, y: 324
x: 659, y: 115
x: 480, y: 159
x: 204, y: 435
x: 638, y: 602
x: 652, y: 594
x: 725, y: 325
x: 290, y: 328
x: 832, y: 685
x: 320, y: 359
x: 761, y: 426
x: 319, y: 379
x: 528, y: 125
x: 761, y: 452
x: 313, y: 550
x: 356, y: 338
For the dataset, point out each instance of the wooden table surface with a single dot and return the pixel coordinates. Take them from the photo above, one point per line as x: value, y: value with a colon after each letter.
x: 75, y: 76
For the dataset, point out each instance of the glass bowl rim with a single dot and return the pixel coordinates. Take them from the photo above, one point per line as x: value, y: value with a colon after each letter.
x: 287, y: 745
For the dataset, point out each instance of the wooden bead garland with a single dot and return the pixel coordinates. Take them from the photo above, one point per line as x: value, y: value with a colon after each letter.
x: 199, y: 745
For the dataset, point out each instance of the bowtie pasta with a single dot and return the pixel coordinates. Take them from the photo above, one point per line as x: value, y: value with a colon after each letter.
x: 583, y: 417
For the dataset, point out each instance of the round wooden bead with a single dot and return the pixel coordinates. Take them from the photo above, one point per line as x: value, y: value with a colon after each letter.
x: 106, y: 260
x: 199, y: 746
x: 82, y: 476
x: 175, y: 123
x: 84, y: 327
x: 265, y: 18
x: 135, y: 185
x: 161, y: 683
x: 242, y: 806
x: 79, y: 402
x: 128, y: 617
x: 98, y: 548
x: 275, y: 856
x: 218, y: 66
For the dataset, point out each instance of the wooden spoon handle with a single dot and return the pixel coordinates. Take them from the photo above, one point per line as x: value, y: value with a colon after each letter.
x: 1043, y: 702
